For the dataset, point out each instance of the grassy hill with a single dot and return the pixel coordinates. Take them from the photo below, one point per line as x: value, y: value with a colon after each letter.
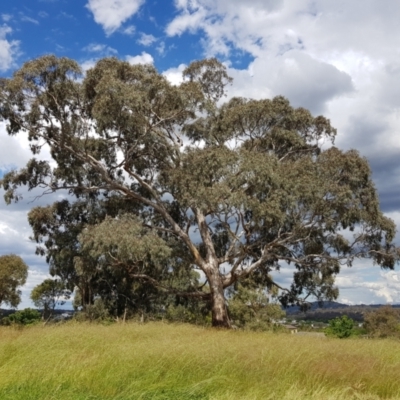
x: 161, y: 361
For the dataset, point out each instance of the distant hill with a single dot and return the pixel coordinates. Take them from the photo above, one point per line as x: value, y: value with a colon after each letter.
x: 315, y: 306
x: 333, y: 309
x: 5, y: 313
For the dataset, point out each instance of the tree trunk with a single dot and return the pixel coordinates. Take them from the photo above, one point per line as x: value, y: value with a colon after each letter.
x: 125, y: 310
x: 220, y: 318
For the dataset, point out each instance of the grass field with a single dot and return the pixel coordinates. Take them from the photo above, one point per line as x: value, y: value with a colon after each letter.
x: 161, y: 361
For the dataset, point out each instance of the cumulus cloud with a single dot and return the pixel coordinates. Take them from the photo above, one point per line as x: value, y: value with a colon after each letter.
x: 111, y: 14
x: 341, y: 61
x: 308, y: 82
x: 14, y: 151
x: 144, y: 58
x: 8, y: 48
x: 100, y: 48
x: 87, y: 64
x: 15, y: 231
x: 377, y: 287
x: 129, y: 30
x: 305, y: 81
x: 161, y: 48
x: 146, y: 40
x: 321, y: 26
x: 16, y: 241
x: 276, y: 35
x: 363, y: 283
x: 174, y: 75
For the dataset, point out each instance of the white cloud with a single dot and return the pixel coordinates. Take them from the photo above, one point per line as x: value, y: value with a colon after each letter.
x: 306, y: 81
x: 146, y: 40
x: 321, y: 26
x: 363, y: 283
x: 377, y: 287
x: 174, y: 75
x: 14, y: 150
x: 191, y: 18
x: 111, y: 14
x: 144, y: 58
x: 129, y: 30
x: 14, y: 239
x: 88, y: 64
x: 15, y: 231
x: 7, y: 230
x: 6, y: 17
x: 100, y: 48
x: 8, y: 49
x: 25, y: 18
x: 161, y: 48
x: 273, y: 33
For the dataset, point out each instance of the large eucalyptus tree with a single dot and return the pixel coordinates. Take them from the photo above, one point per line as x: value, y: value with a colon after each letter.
x: 242, y: 186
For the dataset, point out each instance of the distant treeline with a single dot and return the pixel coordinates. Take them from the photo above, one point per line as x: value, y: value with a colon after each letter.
x: 331, y: 310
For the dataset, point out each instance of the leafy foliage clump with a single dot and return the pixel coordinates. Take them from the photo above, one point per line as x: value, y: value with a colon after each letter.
x: 96, y: 312
x: 250, y: 308
x: 48, y: 294
x: 340, y: 327
x: 28, y: 316
x: 384, y: 322
x: 13, y: 274
x: 191, y: 315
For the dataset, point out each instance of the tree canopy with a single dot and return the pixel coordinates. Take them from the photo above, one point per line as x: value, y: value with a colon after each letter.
x: 384, y: 322
x: 13, y: 274
x: 65, y: 234
x: 232, y: 188
x: 48, y: 294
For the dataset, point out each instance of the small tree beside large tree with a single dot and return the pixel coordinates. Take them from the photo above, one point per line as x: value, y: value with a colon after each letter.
x: 48, y: 295
x: 13, y: 274
x: 241, y: 187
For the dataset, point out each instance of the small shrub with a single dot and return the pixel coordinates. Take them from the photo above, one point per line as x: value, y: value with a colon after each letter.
x: 28, y: 316
x: 94, y: 312
x: 341, y: 327
x: 180, y: 313
x: 250, y: 309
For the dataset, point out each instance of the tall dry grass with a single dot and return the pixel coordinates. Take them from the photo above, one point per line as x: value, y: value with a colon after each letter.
x: 161, y: 361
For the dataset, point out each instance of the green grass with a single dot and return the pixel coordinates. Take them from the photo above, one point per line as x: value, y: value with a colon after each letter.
x: 161, y: 361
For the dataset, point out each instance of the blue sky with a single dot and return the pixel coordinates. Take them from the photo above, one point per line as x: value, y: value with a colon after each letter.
x: 334, y: 57
x: 68, y: 28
